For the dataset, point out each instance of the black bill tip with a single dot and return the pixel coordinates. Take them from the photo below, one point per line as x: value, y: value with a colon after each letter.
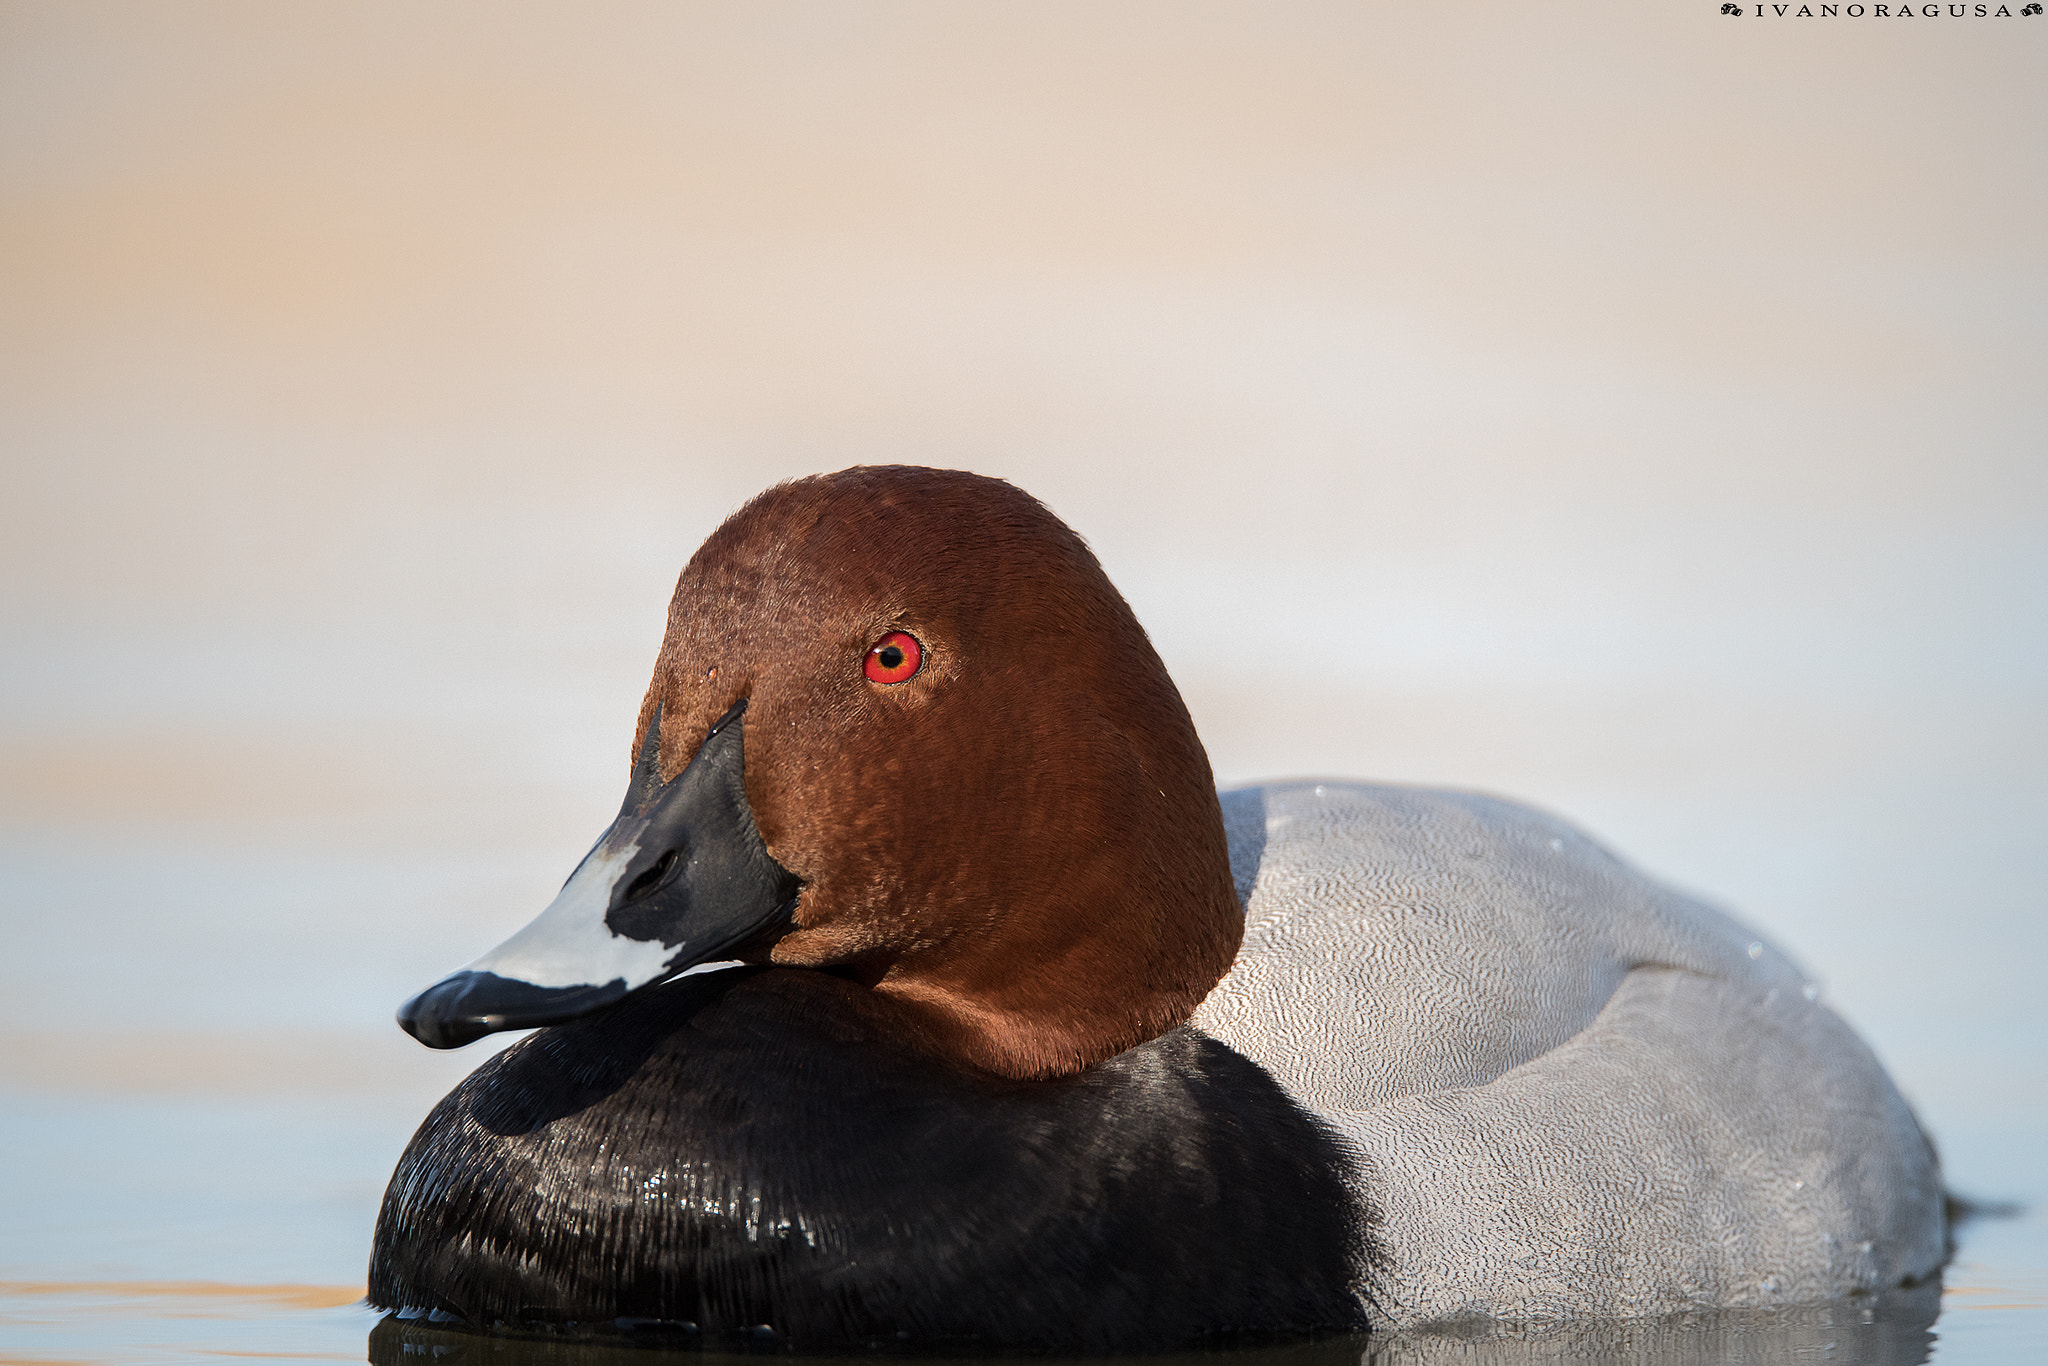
x: 463, y: 1007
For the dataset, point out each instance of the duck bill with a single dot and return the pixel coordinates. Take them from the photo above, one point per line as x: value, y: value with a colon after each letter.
x: 682, y: 877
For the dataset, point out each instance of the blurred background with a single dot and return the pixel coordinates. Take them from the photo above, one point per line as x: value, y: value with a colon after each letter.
x: 1608, y: 403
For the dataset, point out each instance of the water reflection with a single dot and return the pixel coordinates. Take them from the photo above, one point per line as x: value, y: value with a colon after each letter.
x: 1888, y: 1330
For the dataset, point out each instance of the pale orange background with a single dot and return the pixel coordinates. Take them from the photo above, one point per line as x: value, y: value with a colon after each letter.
x: 1628, y: 408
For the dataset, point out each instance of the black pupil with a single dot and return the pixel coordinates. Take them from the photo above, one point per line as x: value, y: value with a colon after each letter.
x: 891, y: 657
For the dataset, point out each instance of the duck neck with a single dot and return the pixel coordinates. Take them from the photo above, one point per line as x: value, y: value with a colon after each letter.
x: 1036, y: 1005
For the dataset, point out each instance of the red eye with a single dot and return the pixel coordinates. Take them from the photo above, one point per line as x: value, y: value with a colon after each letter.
x: 894, y: 658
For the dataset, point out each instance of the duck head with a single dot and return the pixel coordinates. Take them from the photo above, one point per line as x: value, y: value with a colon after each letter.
x: 902, y: 729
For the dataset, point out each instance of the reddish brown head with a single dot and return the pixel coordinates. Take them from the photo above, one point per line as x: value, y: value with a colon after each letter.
x: 902, y: 729
x: 1019, y: 841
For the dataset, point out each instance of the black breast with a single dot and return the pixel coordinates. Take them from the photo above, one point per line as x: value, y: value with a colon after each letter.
x: 742, y: 1149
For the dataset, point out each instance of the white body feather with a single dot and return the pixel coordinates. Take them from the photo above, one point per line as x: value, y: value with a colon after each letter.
x: 1571, y: 1091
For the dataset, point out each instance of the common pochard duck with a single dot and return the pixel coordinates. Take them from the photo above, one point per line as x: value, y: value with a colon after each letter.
x: 1034, y: 1041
